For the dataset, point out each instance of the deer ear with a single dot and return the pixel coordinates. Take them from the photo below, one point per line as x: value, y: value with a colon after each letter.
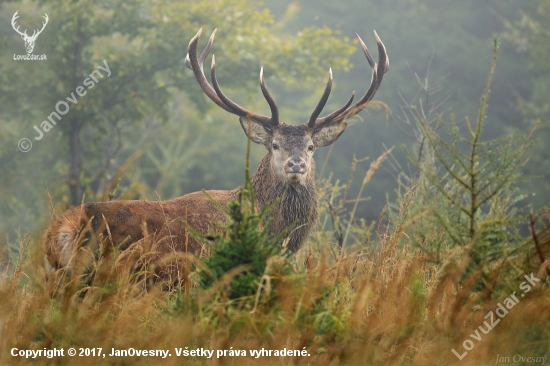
x: 258, y: 132
x: 327, y: 134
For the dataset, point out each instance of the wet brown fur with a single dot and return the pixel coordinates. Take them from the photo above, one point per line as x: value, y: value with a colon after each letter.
x: 297, y: 207
x: 121, y: 224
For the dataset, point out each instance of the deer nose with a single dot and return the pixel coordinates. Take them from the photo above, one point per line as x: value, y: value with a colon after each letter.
x: 297, y: 167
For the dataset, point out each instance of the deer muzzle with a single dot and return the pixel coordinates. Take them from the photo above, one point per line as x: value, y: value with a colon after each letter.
x: 296, y: 166
x: 295, y: 170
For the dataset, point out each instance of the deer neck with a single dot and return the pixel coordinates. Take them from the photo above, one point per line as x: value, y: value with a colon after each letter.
x: 297, y: 204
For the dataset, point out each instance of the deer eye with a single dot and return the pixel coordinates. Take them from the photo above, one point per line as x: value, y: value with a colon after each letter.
x: 310, y: 147
x: 275, y: 146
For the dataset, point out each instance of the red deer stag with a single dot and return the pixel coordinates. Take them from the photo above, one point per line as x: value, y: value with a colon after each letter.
x: 287, y: 173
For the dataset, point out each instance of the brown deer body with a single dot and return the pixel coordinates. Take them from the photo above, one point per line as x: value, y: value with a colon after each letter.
x: 286, y: 173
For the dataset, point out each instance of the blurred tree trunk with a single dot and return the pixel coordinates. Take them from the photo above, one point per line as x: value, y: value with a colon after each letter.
x: 75, y: 163
x: 75, y: 146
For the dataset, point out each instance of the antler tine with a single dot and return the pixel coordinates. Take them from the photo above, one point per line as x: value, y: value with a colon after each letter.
x: 361, y: 103
x: 215, y: 94
x: 319, y: 108
x: 382, y: 52
x: 272, y: 105
x: 44, y: 23
x: 366, y: 51
x: 328, y: 118
x: 234, y: 107
x: 13, y: 19
x: 205, y: 52
x: 383, y: 63
x: 195, y: 64
x: 378, y: 71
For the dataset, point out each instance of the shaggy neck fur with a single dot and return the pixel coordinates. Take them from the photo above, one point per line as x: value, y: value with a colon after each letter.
x: 297, y: 205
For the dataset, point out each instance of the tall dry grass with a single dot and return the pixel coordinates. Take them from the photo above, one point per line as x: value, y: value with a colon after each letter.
x: 377, y: 305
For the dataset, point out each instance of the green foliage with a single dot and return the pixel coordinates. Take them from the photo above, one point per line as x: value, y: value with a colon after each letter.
x: 450, y: 36
x: 466, y: 185
x: 244, y: 247
x: 242, y: 251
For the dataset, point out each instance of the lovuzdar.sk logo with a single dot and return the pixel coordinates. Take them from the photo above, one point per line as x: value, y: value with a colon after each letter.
x: 29, y: 40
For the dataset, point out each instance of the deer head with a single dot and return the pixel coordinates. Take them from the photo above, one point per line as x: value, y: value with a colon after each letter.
x: 290, y: 148
x: 29, y: 40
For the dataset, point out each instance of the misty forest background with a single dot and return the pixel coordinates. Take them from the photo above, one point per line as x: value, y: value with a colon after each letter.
x: 444, y: 216
x: 150, y: 122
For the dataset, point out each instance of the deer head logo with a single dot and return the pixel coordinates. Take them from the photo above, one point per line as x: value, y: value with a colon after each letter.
x: 29, y: 40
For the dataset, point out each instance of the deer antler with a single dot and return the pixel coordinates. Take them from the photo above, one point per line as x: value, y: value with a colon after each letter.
x: 43, y: 26
x: 195, y: 63
x: 35, y: 32
x: 13, y: 19
x: 345, y: 112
